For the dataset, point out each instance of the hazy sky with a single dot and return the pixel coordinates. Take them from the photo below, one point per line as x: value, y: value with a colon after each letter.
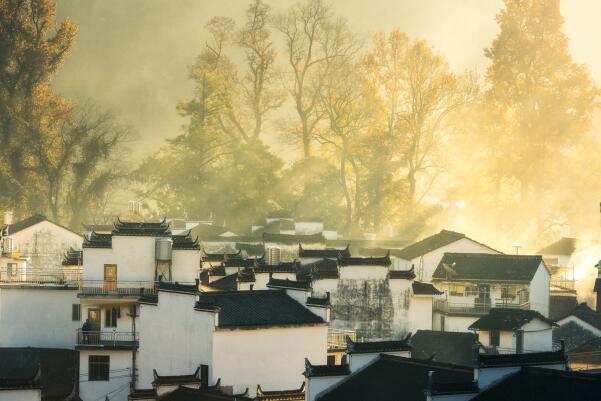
x: 132, y: 56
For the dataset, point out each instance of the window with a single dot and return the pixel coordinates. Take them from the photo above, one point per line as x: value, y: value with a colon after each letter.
x: 98, y: 367
x: 457, y: 289
x: 494, y: 338
x: 507, y: 292
x: 76, y: 312
x: 11, y: 269
x: 471, y: 291
x: 331, y: 360
x: 110, y: 316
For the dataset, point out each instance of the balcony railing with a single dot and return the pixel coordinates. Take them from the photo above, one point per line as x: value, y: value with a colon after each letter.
x: 337, y: 338
x: 563, y: 283
x: 475, y: 308
x: 30, y: 276
x: 107, y: 339
x: 116, y: 288
x: 492, y: 350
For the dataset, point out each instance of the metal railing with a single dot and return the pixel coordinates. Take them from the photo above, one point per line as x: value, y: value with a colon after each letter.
x: 117, y: 288
x: 16, y: 275
x: 492, y: 350
x: 475, y: 308
x: 337, y: 338
x: 107, y: 338
x: 564, y: 283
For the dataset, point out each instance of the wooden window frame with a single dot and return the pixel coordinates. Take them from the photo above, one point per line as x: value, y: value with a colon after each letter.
x: 99, y: 367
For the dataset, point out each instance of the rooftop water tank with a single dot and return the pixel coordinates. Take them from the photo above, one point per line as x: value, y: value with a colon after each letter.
x: 162, y: 249
x: 273, y: 256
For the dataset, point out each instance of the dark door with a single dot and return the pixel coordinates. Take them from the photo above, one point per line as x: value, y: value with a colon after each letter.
x: 442, y: 319
x: 519, y: 342
x: 94, y: 317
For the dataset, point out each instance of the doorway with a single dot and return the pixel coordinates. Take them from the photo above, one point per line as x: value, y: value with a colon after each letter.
x: 110, y: 278
x: 93, y: 336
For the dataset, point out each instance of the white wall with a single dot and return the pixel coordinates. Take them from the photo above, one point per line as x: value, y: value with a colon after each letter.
x: 174, y: 338
x: 316, y: 385
x: 120, y: 364
x: 506, y: 339
x: 539, y: 291
x: 124, y: 323
x: 46, y: 244
x: 185, y: 265
x: 20, y: 395
x: 538, y: 336
x: 261, y: 279
x: 426, y: 264
x: 273, y: 357
x: 453, y: 323
x: 37, y: 317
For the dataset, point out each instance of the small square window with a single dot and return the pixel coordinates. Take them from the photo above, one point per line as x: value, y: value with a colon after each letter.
x: 98, y: 367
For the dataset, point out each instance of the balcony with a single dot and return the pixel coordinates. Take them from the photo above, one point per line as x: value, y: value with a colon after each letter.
x: 117, y: 289
x: 113, y: 340
x: 562, y: 284
x: 474, y: 309
x: 337, y: 338
x: 15, y: 276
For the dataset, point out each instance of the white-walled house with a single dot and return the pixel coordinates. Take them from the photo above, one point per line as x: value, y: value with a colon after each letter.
x: 120, y: 270
x: 243, y: 338
x: 40, y: 240
x: 425, y: 255
x: 514, y: 331
x: 475, y: 283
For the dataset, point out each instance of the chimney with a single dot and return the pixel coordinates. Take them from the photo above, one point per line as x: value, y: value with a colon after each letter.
x: 597, y: 288
x: 7, y: 217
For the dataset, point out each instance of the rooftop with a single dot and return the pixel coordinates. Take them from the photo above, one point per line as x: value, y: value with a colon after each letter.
x: 431, y: 243
x: 564, y: 246
x: 185, y: 242
x: 333, y: 253
x: 444, y: 346
x: 321, y: 269
x: 402, y: 274
x: 369, y: 261
x: 141, y: 228
x: 263, y: 308
x: 420, y: 288
x: 31, y: 221
x: 487, y: 267
x: 325, y: 370
x: 373, y: 347
x: 508, y: 319
x: 297, y: 394
x: 527, y: 359
x: 159, y: 380
x: 289, y: 284
x: 294, y: 238
x: 586, y: 314
x: 393, y: 378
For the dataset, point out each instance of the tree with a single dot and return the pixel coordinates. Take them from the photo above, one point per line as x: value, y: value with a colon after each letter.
x: 313, y: 39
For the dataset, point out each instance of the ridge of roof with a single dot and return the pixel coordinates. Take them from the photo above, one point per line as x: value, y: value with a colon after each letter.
x: 368, y: 261
x: 433, y: 242
x: 585, y: 313
x: 323, y: 253
x: 373, y: 347
x: 524, y: 359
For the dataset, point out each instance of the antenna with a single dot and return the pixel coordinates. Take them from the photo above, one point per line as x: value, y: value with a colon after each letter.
x: 517, y: 249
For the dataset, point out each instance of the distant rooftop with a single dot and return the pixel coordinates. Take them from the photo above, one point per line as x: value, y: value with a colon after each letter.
x: 433, y: 242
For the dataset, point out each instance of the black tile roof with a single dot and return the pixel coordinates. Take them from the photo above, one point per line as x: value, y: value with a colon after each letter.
x: 59, y: 369
x: 291, y: 284
x: 454, y: 388
x: 393, y: 378
x: 251, y: 249
x: 539, y: 384
x: 487, y: 267
x: 73, y: 257
x: 429, y: 244
x: 321, y: 269
x: 142, y: 228
x: 257, y: 309
x: 564, y: 246
x: 217, y: 271
x: 560, y: 306
x: 176, y: 287
x: 29, y: 222
x: 333, y: 253
x: 193, y: 394
x: 185, y: 242
x: 96, y: 240
x: 444, y: 346
x: 243, y: 262
x: 373, y: 347
x: 316, y: 301
x: 356, y: 261
x: 325, y: 370
x: 282, y: 267
x: 525, y: 359
x: 592, y: 346
x: 246, y: 276
x: 297, y: 394
x: 159, y: 380
x: 227, y: 283
x: 31, y: 380
x: 509, y: 319
x: 586, y: 314
x: 420, y: 288
x: 294, y: 239
x: 402, y: 274
x: 217, y: 257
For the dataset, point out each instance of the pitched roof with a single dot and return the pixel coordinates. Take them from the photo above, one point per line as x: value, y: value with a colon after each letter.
x: 294, y: 238
x: 323, y: 253
x: 159, y: 380
x: 282, y: 267
x: 373, y: 347
x: 420, y: 288
x: 444, y: 346
x: 192, y: 394
x: 31, y: 380
x: 357, y: 261
x: 318, y: 301
x: 23, y: 224
x: 564, y: 246
x: 393, y: 378
x: 487, y: 267
x: 59, y: 369
x: 429, y: 244
x: 73, y: 257
x: 560, y: 306
x: 96, y: 240
x: 141, y: 228
x: 185, y: 241
x: 321, y: 269
x: 227, y: 283
x: 261, y: 308
x: 290, y: 284
x: 402, y: 274
x: 218, y: 257
x: 586, y: 314
x: 539, y: 384
x: 509, y: 319
x: 325, y: 370
x: 177, y: 287
x: 526, y: 359
x: 297, y: 394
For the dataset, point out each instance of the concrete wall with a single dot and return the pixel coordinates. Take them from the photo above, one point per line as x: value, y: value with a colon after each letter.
x: 117, y: 387
x: 37, y: 317
x: 539, y: 291
x: 273, y: 357
x: 174, y: 338
x: 45, y: 243
x: 20, y: 395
